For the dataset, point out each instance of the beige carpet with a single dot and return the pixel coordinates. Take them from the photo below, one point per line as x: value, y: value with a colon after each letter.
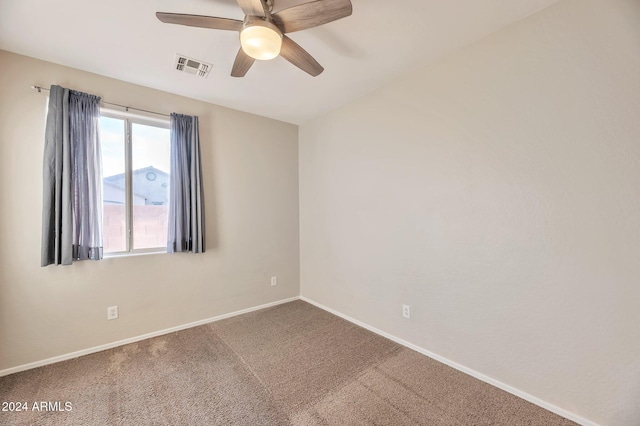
x: 292, y: 364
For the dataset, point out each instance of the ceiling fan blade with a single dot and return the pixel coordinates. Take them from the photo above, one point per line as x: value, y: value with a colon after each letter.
x: 242, y: 64
x: 312, y: 14
x: 253, y: 7
x: 200, y: 21
x: 299, y: 57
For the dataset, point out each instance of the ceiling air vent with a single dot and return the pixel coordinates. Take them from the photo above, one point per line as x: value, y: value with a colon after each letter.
x: 192, y: 66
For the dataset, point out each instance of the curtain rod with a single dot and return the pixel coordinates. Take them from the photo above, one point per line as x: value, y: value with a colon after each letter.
x: 127, y: 108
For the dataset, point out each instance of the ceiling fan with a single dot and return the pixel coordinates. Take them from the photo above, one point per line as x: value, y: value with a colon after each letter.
x: 262, y: 33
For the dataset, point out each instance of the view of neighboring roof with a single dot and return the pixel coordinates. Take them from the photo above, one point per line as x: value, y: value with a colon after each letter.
x: 149, y: 184
x: 151, y: 169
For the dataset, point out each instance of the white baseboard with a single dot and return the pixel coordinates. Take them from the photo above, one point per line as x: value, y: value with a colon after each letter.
x: 138, y: 338
x: 517, y: 392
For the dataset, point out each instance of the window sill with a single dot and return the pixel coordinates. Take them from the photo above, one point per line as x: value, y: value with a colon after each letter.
x: 135, y: 254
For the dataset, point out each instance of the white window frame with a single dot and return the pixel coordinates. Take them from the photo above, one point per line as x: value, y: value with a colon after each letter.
x: 129, y: 119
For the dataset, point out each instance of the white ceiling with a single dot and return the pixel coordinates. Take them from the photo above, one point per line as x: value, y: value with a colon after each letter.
x: 124, y: 40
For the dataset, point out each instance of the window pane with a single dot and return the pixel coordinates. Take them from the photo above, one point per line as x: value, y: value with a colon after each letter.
x: 150, y: 162
x: 113, y: 185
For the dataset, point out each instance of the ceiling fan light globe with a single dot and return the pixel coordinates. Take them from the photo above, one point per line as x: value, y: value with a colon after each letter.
x: 261, y: 42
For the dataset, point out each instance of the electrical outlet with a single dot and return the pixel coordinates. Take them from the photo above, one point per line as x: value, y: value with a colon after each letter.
x: 112, y: 312
x: 274, y: 281
x: 406, y: 311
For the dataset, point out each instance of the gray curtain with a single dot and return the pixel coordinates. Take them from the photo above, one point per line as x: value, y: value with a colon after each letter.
x: 72, y: 179
x: 186, y: 198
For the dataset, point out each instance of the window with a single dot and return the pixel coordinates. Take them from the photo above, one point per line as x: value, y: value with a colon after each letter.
x: 135, y: 164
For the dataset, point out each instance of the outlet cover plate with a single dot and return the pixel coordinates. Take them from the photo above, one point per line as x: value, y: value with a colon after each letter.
x: 112, y: 312
x: 406, y: 311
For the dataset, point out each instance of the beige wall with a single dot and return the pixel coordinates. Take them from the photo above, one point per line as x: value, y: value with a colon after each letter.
x: 497, y: 193
x: 251, y: 198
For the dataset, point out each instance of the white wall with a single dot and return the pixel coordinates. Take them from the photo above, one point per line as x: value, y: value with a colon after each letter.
x: 497, y: 193
x: 250, y: 168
